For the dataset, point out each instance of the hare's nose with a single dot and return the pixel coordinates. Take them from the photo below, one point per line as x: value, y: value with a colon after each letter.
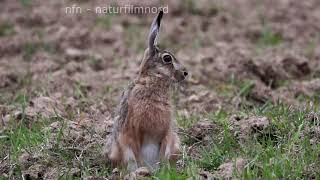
x: 185, y: 73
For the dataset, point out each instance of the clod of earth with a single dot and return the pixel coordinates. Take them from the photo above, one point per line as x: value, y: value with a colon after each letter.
x: 226, y: 170
x: 249, y: 126
x: 203, y: 175
x: 201, y: 129
x: 140, y: 173
x: 45, y: 106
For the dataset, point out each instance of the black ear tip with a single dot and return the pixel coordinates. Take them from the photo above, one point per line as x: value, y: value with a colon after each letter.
x: 161, y: 12
x: 159, y: 17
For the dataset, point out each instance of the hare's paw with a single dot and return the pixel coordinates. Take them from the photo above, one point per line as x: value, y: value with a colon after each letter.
x: 170, y: 147
x: 129, y: 157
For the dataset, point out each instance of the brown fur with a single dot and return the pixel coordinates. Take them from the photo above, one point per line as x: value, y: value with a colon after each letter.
x: 144, y: 114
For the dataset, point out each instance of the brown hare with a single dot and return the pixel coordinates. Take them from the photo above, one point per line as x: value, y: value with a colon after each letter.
x: 143, y: 132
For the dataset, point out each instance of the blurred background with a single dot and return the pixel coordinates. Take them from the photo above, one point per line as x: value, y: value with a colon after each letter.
x: 269, y: 46
x: 240, y: 54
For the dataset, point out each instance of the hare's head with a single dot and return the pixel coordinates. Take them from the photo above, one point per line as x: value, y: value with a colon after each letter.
x: 158, y: 62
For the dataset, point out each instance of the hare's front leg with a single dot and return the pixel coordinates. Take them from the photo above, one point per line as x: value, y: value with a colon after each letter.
x: 130, y: 151
x: 170, y: 147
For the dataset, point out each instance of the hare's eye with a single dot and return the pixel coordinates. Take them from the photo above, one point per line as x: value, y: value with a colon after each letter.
x: 167, y: 58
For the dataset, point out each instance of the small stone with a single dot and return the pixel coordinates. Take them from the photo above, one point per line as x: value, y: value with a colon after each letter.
x: 115, y: 171
x: 73, y: 53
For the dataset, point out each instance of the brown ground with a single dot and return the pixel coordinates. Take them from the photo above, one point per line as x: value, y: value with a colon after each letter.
x: 238, y: 53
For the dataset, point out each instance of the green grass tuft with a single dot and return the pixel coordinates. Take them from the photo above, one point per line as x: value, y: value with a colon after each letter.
x: 6, y: 29
x: 269, y: 38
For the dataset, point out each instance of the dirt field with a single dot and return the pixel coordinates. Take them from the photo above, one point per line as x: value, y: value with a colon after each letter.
x: 249, y: 109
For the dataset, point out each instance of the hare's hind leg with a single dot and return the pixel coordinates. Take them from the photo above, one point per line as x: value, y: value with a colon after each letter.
x: 114, y: 152
x: 170, y: 147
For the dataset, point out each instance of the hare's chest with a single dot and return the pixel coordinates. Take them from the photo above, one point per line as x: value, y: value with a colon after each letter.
x: 150, y: 117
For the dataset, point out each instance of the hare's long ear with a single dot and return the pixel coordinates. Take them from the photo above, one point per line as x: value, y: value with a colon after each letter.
x: 154, y: 30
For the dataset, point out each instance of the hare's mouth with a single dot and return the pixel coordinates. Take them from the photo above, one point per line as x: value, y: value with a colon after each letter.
x: 178, y: 80
x: 180, y: 76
